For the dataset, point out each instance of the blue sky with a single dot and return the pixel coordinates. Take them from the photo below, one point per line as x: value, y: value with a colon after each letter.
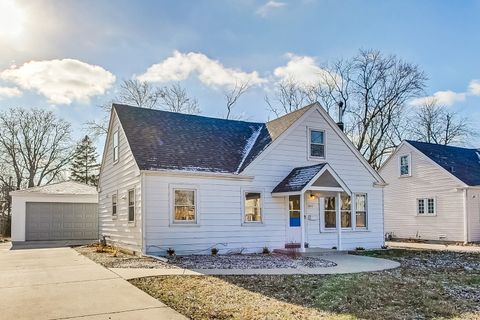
x: 68, y: 56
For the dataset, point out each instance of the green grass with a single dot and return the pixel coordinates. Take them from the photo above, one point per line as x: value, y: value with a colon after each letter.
x: 428, y: 285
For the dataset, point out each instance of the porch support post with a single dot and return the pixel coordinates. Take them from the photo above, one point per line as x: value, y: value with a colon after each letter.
x: 302, y: 222
x: 339, y: 220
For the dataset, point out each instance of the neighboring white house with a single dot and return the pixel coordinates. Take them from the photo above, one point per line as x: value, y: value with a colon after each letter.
x: 60, y: 211
x: 171, y: 180
x: 432, y: 192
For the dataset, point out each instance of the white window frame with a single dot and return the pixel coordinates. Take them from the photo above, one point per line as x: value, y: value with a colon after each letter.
x: 115, y: 194
x: 244, y: 208
x: 117, y: 147
x: 134, y: 206
x: 196, y: 194
x: 425, y: 207
x: 366, y: 210
x: 325, y: 228
x: 351, y: 214
x: 409, y: 159
x: 309, y: 142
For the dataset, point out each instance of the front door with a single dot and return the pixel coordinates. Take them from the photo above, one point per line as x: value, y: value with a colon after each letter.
x: 294, y: 230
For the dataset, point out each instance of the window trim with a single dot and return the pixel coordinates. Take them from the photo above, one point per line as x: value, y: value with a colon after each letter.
x: 325, y: 228
x: 409, y: 157
x: 134, y: 206
x: 243, y: 208
x: 366, y: 211
x: 115, y: 194
x: 116, y: 132
x: 173, y: 221
x: 351, y: 214
x: 309, y: 144
x: 425, y: 207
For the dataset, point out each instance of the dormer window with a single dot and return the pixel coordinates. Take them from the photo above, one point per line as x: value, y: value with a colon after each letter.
x: 405, y: 165
x: 317, y: 143
x: 115, y: 146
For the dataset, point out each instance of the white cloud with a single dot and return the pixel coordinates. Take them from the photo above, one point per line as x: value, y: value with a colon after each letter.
x: 61, y: 81
x: 211, y: 72
x: 303, y: 69
x: 474, y: 87
x: 9, y: 92
x: 446, y: 98
x: 268, y: 7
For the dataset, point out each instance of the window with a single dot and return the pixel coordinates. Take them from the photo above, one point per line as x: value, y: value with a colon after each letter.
x: 404, y: 165
x: 317, y: 144
x: 184, y: 206
x: 115, y: 146
x: 330, y: 213
x: 114, y: 204
x: 131, y: 205
x: 346, y: 212
x: 361, y: 210
x: 294, y: 210
x: 253, y: 207
x: 426, y: 206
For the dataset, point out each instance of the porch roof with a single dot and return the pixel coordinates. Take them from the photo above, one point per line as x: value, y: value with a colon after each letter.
x: 298, y: 178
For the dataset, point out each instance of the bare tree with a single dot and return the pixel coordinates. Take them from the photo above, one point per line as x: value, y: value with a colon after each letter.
x: 143, y: 94
x: 434, y: 123
x: 374, y: 89
x: 232, y: 95
x: 175, y: 98
x: 35, y: 145
x: 288, y: 96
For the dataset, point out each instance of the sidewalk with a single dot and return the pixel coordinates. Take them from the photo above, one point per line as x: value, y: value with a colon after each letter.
x: 345, y: 264
x: 429, y: 246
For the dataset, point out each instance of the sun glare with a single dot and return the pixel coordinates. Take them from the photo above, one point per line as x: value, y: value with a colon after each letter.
x: 11, y: 19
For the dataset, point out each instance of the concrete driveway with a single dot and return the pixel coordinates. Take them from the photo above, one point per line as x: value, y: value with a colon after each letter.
x: 59, y: 283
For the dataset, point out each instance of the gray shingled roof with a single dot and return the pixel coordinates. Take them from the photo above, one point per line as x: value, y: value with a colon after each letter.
x: 162, y: 140
x: 463, y: 163
x: 298, y: 178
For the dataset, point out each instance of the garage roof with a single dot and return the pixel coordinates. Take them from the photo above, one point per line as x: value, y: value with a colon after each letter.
x: 66, y: 187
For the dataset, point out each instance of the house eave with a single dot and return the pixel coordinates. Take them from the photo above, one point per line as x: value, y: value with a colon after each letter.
x: 196, y: 174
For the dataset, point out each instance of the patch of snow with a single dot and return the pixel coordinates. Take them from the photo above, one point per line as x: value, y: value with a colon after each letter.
x: 303, y: 177
x: 249, y: 145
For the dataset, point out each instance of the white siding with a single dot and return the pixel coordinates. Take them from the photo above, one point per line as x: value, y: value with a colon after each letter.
x: 220, y: 200
x: 120, y: 177
x: 473, y: 207
x: 427, y: 180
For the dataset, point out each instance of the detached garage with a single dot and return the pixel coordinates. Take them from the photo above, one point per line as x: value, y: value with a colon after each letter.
x: 61, y: 211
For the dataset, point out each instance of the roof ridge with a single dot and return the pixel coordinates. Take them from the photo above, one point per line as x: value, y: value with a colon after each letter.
x: 121, y: 105
x: 441, y: 145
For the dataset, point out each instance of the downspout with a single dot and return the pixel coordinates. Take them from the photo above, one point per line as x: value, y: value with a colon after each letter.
x: 465, y: 216
x: 144, y: 214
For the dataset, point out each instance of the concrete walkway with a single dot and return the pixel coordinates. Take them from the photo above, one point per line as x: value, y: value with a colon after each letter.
x: 345, y: 264
x: 59, y: 283
x: 430, y: 246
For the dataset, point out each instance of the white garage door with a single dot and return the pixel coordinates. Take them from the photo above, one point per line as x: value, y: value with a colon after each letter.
x: 61, y: 221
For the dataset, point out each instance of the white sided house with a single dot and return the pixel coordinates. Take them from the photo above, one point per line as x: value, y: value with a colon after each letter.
x: 191, y: 183
x: 432, y: 192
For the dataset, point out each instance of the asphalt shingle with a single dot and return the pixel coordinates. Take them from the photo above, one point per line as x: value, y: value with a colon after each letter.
x: 298, y: 178
x: 463, y: 163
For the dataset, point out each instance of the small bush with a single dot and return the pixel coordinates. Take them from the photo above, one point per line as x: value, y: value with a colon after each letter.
x: 360, y: 248
x: 214, y: 251
x: 265, y: 250
x: 170, y: 252
x: 384, y: 247
x: 334, y: 248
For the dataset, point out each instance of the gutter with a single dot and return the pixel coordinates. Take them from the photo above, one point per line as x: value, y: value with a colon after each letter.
x: 197, y: 174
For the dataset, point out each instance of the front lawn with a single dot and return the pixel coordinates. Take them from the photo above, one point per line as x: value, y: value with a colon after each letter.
x: 428, y: 285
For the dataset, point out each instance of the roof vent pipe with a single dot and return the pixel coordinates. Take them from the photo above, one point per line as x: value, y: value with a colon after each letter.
x: 341, y: 110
